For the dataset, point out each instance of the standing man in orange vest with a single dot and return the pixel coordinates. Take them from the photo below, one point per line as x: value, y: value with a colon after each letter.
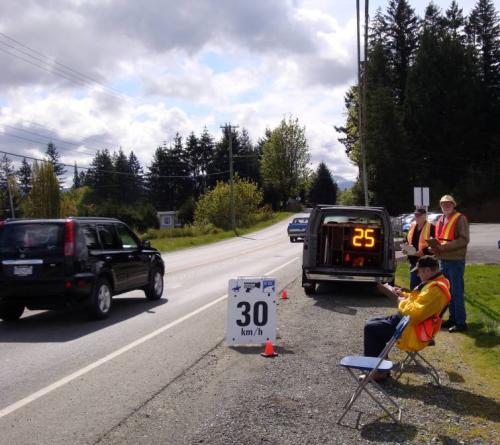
x: 452, y: 232
x: 420, y: 231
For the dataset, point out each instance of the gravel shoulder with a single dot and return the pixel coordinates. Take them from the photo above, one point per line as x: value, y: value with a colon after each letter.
x: 233, y: 395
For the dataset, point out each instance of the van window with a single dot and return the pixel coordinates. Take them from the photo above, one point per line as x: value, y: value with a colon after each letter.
x: 108, y: 237
x: 31, y: 238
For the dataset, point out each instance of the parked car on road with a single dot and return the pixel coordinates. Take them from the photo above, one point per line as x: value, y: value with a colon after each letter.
x: 297, y: 229
x: 55, y: 263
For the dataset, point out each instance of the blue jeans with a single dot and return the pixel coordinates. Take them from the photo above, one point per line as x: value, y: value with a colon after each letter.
x: 378, y: 331
x: 414, y: 280
x: 454, y: 271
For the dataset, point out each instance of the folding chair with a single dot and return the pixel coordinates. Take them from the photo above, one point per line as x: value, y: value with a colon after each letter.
x: 419, y: 361
x: 371, y: 365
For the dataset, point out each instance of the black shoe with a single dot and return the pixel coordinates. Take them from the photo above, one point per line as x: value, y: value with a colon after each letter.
x: 447, y: 324
x: 458, y: 328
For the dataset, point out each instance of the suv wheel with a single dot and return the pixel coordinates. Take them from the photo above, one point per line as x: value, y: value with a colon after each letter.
x: 100, y: 304
x: 11, y: 312
x: 154, y: 290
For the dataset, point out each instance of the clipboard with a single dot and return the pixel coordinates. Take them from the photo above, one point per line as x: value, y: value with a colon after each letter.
x: 387, y: 290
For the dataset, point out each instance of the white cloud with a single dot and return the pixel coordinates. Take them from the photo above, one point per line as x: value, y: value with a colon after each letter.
x: 270, y: 58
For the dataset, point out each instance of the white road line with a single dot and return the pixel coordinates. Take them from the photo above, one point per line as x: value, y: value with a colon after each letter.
x: 36, y: 395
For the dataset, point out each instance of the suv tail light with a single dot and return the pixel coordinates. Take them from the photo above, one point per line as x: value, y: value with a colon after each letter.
x: 69, y: 238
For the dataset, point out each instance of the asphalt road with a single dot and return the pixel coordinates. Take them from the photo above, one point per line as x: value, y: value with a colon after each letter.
x: 64, y: 379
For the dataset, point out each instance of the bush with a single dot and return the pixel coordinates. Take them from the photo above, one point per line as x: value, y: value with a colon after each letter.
x: 214, y: 207
x: 180, y: 232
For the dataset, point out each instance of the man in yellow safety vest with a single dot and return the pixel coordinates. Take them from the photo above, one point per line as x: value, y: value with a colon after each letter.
x: 452, y: 233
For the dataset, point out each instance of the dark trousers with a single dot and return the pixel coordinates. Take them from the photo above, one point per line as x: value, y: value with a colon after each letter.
x: 378, y: 331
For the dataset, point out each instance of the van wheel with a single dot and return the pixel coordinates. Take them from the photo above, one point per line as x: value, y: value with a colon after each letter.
x: 100, y: 304
x: 11, y: 312
x: 154, y: 290
x: 292, y: 239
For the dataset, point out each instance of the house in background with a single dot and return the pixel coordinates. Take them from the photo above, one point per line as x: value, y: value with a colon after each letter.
x: 168, y: 219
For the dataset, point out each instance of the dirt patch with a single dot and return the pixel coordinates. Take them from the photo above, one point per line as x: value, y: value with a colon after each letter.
x: 233, y: 395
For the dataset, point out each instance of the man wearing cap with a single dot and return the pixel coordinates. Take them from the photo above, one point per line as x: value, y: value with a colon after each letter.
x: 428, y: 299
x: 452, y: 233
x: 418, y: 234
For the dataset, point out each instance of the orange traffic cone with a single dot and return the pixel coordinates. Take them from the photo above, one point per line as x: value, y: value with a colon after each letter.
x: 284, y: 294
x: 269, y: 350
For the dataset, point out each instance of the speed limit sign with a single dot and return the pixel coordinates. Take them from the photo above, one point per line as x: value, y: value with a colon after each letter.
x: 251, y: 310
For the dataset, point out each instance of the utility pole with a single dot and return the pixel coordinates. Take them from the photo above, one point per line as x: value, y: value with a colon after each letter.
x: 362, y: 95
x: 229, y: 129
x: 10, y: 199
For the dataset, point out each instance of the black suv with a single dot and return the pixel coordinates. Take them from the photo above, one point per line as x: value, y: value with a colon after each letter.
x: 55, y: 263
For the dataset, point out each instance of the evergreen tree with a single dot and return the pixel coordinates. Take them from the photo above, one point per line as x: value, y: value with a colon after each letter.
x: 100, y: 176
x: 53, y: 157
x: 194, y: 161
x: 168, y: 180
x: 122, y: 190
x: 246, y: 162
x: 136, y: 180
x: 402, y: 26
x: 206, y: 155
x: 323, y: 188
x: 24, y: 177
x: 76, y: 178
x: 483, y: 32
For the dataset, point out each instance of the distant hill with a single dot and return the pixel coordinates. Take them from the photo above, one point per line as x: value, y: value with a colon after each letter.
x: 343, y: 183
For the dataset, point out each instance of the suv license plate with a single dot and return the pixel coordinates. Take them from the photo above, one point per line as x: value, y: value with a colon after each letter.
x: 23, y: 271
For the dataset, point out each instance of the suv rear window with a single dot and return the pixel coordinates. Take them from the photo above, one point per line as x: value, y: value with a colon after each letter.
x: 31, y: 238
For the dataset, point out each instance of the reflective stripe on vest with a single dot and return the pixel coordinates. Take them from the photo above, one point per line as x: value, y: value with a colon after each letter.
x: 446, y: 232
x: 424, y: 235
x: 444, y: 284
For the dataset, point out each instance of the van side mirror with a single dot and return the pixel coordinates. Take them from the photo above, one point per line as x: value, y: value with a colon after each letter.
x: 146, y: 244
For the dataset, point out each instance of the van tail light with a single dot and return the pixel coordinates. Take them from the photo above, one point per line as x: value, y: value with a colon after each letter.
x: 69, y: 238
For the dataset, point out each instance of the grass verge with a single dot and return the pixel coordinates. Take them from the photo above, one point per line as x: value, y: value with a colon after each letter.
x: 169, y: 244
x: 481, y: 344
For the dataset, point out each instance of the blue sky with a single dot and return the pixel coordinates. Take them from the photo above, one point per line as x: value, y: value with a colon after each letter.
x: 130, y: 74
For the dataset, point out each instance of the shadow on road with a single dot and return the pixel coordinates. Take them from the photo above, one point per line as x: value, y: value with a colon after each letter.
x: 344, y: 298
x: 70, y: 324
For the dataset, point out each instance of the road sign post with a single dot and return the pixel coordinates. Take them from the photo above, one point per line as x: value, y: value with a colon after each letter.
x: 251, y: 310
x: 421, y: 197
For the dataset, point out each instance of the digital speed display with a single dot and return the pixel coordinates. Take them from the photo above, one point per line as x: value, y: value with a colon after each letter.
x: 366, y: 239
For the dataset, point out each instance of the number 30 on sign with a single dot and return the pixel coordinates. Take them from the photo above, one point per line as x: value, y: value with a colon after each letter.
x: 251, y: 310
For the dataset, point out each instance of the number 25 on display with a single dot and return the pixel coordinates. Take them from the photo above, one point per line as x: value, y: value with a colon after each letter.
x: 363, y: 238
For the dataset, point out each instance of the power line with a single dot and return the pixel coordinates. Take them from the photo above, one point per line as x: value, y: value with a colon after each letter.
x: 54, y: 61
x: 114, y: 171
x: 61, y: 69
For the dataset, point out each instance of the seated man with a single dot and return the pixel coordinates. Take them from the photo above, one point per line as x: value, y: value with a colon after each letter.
x: 428, y: 299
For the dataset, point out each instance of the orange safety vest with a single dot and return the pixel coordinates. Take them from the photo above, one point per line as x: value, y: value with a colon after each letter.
x: 425, y: 234
x: 446, y: 231
x: 427, y: 329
